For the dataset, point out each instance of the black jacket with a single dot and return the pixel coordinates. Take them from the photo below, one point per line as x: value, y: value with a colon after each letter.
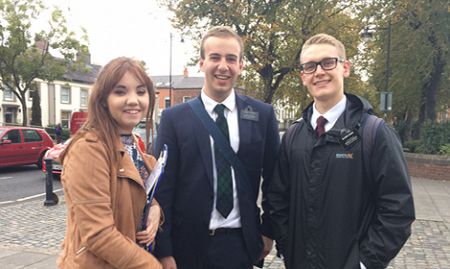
x: 327, y: 211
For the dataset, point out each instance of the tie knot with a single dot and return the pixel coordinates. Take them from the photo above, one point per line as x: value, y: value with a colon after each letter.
x: 219, y: 109
x: 321, y: 121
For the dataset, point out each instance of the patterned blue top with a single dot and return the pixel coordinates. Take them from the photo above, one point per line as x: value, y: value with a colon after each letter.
x: 131, y: 147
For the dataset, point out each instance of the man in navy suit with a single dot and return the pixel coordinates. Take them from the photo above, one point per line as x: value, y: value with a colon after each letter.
x: 212, y: 219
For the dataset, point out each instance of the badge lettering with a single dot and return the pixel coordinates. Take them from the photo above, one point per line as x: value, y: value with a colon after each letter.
x: 248, y: 114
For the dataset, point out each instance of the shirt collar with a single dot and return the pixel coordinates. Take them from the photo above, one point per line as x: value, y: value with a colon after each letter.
x: 331, y: 115
x: 210, y: 104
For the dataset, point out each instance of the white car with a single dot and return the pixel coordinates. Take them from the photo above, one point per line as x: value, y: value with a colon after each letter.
x: 140, y: 130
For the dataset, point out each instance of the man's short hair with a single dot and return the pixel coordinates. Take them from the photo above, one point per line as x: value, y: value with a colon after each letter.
x: 222, y: 31
x: 325, y: 39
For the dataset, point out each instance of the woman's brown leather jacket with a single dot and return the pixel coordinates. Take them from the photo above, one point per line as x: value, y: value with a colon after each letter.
x: 104, y: 208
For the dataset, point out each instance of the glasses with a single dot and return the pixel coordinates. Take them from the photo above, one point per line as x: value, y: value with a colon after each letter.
x: 326, y: 64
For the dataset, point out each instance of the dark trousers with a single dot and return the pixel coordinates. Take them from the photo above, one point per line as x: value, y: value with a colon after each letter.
x: 226, y: 250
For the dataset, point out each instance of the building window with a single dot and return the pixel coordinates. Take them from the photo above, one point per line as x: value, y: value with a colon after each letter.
x: 65, y: 118
x: 186, y: 98
x: 167, y: 102
x: 10, y: 114
x: 65, y: 95
x: 84, y: 97
x: 8, y: 94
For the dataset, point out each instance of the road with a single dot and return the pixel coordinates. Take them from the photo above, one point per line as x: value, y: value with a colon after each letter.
x: 22, y: 182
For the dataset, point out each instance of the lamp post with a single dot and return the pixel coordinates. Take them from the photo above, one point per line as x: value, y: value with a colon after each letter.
x: 386, y: 95
x: 170, y: 66
x: 170, y: 70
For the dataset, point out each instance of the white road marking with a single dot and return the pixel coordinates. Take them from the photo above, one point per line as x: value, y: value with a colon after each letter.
x: 5, y: 178
x: 28, y: 197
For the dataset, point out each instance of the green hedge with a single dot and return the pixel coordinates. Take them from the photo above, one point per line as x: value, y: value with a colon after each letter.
x: 445, y: 149
x: 411, y: 145
x: 50, y: 129
x: 435, y: 138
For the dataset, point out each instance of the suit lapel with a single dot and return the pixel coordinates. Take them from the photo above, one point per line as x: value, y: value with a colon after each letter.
x: 245, y: 138
x: 204, y: 146
x: 244, y: 125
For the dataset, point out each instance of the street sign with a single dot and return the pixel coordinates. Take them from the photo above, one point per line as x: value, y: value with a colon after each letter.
x: 385, y: 101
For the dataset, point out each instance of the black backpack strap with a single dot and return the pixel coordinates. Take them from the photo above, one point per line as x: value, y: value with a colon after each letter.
x: 219, y: 138
x: 370, y: 126
x: 369, y: 132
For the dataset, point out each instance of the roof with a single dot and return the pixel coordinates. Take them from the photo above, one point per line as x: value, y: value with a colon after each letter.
x: 178, y: 82
x: 87, y: 74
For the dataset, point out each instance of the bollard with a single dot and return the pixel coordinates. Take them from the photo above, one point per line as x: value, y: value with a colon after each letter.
x: 50, y: 197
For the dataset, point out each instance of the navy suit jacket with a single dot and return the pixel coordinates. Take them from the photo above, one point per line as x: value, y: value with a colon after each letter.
x: 186, y: 190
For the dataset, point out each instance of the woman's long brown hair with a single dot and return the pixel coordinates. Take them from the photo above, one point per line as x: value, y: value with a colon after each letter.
x: 99, y: 117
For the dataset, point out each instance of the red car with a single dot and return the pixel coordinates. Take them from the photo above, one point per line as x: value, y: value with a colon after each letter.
x: 23, y: 145
x: 54, y: 152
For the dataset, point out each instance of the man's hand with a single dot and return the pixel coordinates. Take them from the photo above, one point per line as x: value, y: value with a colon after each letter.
x: 147, y: 236
x: 168, y: 262
x: 268, y: 243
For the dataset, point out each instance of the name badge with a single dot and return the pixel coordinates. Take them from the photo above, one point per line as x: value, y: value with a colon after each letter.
x: 348, y: 138
x: 248, y: 114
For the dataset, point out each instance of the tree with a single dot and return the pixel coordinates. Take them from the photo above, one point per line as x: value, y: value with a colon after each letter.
x: 36, y: 115
x: 273, y: 31
x: 25, y: 56
x: 419, y: 59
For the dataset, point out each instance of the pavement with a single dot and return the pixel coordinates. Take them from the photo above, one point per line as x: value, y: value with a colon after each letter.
x: 31, y: 233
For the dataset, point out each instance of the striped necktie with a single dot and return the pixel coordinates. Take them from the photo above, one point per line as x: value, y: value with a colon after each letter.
x: 224, y: 203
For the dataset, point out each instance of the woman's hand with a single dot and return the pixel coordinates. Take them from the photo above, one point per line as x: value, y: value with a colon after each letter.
x: 147, y: 236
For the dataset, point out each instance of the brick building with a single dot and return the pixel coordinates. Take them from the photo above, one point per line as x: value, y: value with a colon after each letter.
x: 183, y: 89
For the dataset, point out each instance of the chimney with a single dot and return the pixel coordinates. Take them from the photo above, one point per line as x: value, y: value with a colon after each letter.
x: 185, y: 72
x: 84, y: 56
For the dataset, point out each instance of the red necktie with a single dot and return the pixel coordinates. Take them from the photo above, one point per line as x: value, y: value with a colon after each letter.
x: 320, y: 128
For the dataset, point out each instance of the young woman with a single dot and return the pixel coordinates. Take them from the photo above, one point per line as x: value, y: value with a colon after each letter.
x: 104, y: 173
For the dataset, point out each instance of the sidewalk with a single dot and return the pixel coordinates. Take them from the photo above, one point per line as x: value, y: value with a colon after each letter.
x: 31, y: 233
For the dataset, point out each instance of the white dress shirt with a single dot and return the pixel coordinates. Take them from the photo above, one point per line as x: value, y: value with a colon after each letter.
x: 231, y: 114
x: 332, y: 115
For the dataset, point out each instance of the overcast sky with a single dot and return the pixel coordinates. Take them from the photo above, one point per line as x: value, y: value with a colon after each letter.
x: 134, y: 28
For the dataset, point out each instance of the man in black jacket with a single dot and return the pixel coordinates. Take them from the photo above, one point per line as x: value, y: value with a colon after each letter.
x: 328, y: 209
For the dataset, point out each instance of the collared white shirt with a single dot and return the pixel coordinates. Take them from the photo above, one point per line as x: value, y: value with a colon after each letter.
x: 331, y: 115
x: 231, y: 114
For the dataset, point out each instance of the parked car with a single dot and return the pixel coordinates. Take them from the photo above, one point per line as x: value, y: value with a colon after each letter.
x: 53, y: 154
x: 140, y: 130
x: 56, y: 150
x: 23, y: 145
